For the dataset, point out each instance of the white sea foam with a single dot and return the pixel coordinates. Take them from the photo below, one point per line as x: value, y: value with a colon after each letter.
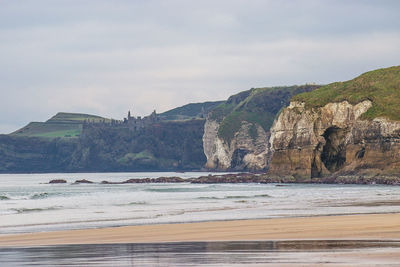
x: 30, y: 204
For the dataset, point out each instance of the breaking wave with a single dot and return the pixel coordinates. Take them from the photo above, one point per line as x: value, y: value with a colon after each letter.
x: 236, y: 197
x: 42, y: 195
x: 29, y: 210
x: 177, y: 190
x: 132, y: 203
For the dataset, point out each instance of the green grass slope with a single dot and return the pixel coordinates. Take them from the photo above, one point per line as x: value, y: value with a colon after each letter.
x: 189, y: 111
x: 66, y: 125
x: 258, y: 106
x: 381, y: 86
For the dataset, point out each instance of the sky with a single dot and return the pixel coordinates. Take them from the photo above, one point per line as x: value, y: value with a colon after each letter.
x: 107, y: 57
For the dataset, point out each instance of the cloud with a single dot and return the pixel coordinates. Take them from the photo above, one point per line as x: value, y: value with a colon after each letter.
x: 105, y: 57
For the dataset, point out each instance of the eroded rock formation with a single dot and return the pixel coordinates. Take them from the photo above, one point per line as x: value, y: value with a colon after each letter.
x: 237, y: 131
x: 246, y: 151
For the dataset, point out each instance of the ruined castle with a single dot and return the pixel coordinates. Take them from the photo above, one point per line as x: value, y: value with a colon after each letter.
x: 136, y: 123
x: 131, y: 122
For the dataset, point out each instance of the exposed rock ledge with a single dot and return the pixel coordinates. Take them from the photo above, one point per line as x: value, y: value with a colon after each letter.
x: 331, y: 140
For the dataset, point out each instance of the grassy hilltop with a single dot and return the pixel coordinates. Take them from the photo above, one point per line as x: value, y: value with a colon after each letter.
x: 381, y: 86
x: 61, y: 125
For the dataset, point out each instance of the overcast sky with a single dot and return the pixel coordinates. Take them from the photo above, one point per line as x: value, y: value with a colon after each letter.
x: 105, y: 57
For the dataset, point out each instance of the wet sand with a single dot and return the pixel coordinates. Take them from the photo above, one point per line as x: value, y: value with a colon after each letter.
x: 346, y: 227
x: 229, y: 253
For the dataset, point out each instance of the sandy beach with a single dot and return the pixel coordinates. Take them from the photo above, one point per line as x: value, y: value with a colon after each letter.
x: 373, y: 226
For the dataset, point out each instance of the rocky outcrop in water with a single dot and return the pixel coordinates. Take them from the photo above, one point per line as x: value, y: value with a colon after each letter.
x: 58, y: 181
x: 333, y: 140
x: 173, y: 179
x: 260, y: 178
x: 83, y: 181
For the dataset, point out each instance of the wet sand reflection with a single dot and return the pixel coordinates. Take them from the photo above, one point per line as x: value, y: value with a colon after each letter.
x: 257, y: 253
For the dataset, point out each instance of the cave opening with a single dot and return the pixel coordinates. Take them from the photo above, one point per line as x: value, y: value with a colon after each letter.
x: 238, y: 157
x: 334, y: 151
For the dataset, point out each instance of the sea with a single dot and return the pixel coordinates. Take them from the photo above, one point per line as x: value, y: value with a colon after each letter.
x: 28, y: 203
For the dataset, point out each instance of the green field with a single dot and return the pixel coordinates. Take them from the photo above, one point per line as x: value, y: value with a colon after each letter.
x: 381, y: 86
x: 65, y: 125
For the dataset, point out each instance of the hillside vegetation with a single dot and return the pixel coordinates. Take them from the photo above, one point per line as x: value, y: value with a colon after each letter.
x: 165, y: 145
x: 168, y: 145
x: 381, y: 86
x: 258, y: 106
x: 189, y: 111
x: 63, y: 124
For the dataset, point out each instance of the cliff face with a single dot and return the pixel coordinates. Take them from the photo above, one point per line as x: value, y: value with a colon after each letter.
x: 236, y: 133
x: 333, y: 139
x: 243, y: 152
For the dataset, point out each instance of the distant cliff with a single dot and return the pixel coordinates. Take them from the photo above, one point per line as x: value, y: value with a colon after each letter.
x: 236, y: 132
x: 345, y: 128
x: 74, y: 142
x: 175, y: 145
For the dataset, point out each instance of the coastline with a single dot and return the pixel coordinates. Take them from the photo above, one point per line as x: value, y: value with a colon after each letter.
x: 256, y: 178
x: 342, y: 227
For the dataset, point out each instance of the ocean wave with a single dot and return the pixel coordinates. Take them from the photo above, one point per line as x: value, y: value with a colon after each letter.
x: 237, y: 197
x: 4, y: 197
x: 43, y: 195
x: 132, y: 203
x: 197, y: 210
x: 29, y: 210
x: 263, y: 195
x: 176, y: 189
x: 209, y: 198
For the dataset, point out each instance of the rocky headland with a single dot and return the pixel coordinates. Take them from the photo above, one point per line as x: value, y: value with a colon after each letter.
x: 349, y: 129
